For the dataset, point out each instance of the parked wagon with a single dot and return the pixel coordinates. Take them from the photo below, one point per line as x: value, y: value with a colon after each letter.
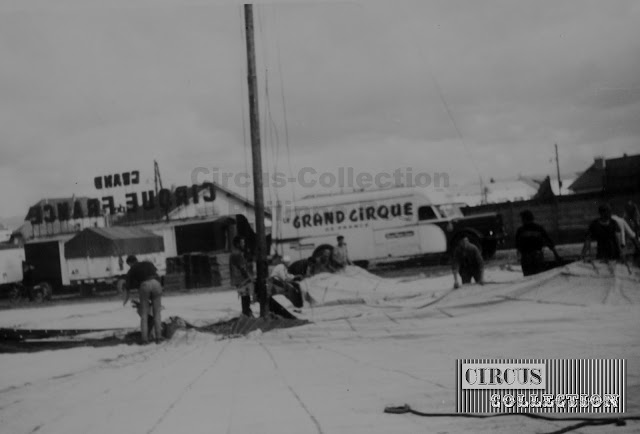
x: 96, y: 257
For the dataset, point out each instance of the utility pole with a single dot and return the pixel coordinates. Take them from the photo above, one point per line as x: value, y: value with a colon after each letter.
x: 256, y: 156
x: 558, y: 170
x: 157, y: 180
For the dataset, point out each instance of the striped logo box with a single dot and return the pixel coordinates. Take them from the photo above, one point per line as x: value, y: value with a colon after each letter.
x: 541, y: 385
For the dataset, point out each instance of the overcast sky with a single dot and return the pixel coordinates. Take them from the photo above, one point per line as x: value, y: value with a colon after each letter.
x: 470, y: 88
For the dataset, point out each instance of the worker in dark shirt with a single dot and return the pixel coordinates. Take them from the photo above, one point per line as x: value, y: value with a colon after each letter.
x: 241, y: 277
x: 531, y: 238
x: 143, y: 276
x: 467, y: 261
x: 301, y: 267
x: 324, y: 262
x: 604, y: 230
x: 28, y: 279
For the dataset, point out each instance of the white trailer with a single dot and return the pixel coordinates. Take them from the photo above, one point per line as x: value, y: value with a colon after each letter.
x: 96, y: 257
x: 11, y: 260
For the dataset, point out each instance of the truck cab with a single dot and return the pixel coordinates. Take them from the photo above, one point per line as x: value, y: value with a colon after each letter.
x: 486, y: 231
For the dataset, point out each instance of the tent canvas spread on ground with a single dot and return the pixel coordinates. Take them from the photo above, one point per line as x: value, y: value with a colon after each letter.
x: 372, y: 342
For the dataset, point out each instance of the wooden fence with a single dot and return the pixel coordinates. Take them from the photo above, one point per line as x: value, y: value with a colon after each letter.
x: 565, y: 218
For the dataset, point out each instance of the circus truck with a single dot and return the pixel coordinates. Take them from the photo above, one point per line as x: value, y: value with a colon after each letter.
x: 382, y: 226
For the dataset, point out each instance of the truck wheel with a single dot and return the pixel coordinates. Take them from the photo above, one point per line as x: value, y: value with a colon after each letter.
x: 362, y: 264
x: 45, y: 291
x: 489, y: 249
x: 15, y: 294
x: 37, y: 295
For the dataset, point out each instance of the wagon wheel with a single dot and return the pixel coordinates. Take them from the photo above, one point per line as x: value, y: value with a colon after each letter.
x: 41, y: 292
x: 37, y: 296
x: 15, y: 294
x: 47, y: 290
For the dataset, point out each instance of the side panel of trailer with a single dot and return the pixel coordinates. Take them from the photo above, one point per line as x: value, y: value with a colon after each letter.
x: 64, y: 269
x: 11, y: 265
x: 110, y: 267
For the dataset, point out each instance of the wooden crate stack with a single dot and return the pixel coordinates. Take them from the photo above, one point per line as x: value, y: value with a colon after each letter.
x: 174, y: 282
x: 221, y: 274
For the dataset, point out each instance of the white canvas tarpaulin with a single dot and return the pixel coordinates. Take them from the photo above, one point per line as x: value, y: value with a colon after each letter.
x: 335, y: 375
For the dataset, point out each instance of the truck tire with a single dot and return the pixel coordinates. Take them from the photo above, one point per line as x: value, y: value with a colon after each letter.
x: 46, y: 291
x: 37, y: 295
x: 362, y: 264
x: 15, y: 294
x: 489, y: 249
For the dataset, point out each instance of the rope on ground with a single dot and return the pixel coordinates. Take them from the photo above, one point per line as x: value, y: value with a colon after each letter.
x: 583, y: 421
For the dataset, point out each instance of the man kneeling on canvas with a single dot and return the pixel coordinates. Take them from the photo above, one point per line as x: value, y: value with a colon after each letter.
x: 467, y: 261
x: 285, y: 282
x: 143, y: 276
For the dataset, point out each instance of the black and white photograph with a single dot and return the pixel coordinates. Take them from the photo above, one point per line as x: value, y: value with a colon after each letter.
x: 319, y: 216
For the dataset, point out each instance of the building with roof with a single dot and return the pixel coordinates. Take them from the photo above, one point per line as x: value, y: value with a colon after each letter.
x: 494, y: 191
x: 612, y: 175
x: 226, y: 203
x: 73, y: 214
x: 199, y: 206
x: 201, y: 235
x: 49, y: 217
x: 5, y: 234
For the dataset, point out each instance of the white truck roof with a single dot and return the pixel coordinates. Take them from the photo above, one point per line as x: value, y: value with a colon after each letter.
x: 430, y: 196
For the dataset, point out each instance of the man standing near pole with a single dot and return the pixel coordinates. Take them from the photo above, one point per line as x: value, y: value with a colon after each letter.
x: 240, y: 275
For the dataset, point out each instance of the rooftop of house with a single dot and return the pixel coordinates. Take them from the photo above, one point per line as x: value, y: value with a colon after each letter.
x: 613, y: 174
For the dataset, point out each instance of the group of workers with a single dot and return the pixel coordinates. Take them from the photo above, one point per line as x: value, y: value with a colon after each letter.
x: 143, y: 277
x: 284, y: 277
x: 616, y: 238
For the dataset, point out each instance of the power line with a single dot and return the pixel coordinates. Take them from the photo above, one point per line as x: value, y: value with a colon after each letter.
x: 268, y: 142
x: 284, y: 108
x: 446, y: 106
